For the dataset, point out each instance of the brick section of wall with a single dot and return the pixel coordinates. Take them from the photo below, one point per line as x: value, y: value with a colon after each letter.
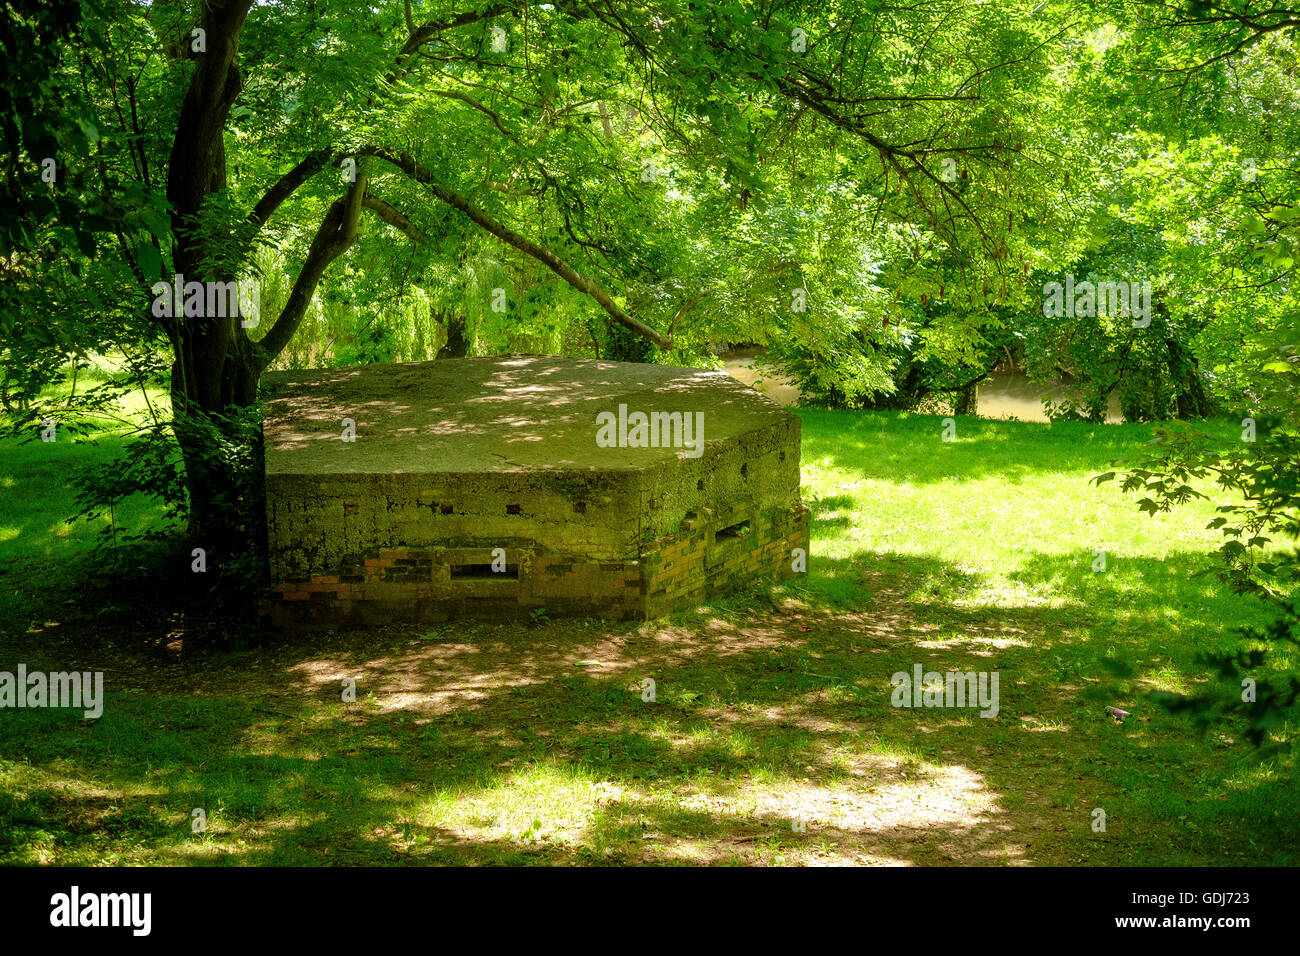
x: 417, y: 586
x: 691, y: 567
x: 674, y: 572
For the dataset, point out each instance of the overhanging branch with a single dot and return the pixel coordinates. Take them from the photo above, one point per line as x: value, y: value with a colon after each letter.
x: 285, y: 186
x: 393, y: 217
x: 407, y: 164
x: 337, y: 233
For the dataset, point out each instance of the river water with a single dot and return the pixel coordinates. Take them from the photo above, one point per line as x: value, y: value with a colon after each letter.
x: 1005, y: 395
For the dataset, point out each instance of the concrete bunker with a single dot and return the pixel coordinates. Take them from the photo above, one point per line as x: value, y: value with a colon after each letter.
x: 488, y: 487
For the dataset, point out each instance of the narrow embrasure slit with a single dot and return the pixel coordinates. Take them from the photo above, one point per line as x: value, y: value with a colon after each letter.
x: 734, y: 531
x: 479, y: 572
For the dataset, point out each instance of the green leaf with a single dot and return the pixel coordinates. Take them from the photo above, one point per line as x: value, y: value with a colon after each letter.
x: 149, y: 259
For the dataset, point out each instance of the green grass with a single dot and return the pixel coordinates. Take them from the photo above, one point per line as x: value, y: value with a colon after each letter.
x: 1005, y: 517
x: 43, y: 553
x: 484, y: 744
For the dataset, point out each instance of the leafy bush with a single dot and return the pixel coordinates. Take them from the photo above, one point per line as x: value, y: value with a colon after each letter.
x: 1261, y: 528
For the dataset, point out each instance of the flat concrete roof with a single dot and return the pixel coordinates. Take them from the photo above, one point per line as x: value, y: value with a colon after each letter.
x: 497, y: 414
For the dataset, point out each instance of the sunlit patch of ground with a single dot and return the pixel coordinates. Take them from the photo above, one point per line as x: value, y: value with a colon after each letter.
x: 769, y: 738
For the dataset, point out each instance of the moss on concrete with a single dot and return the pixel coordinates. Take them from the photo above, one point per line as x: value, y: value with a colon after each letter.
x: 470, y: 455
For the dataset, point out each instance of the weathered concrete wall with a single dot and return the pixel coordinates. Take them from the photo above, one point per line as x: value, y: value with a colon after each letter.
x: 456, y: 459
x: 317, y: 521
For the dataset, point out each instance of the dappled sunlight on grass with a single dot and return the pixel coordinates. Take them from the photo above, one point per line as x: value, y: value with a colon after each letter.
x: 977, y: 644
x: 542, y: 802
x: 1166, y: 677
x: 771, y: 737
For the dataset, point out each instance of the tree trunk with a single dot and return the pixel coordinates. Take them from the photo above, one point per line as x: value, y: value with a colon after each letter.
x: 217, y: 366
x: 622, y: 346
x: 215, y: 370
x: 1191, y: 399
x: 966, y: 401
x: 457, y: 338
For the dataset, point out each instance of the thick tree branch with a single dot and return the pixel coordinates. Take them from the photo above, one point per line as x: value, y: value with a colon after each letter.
x: 414, y: 170
x: 397, y: 220
x: 195, y: 170
x: 197, y: 151
x: 285, y: 186
x: 337, y: 233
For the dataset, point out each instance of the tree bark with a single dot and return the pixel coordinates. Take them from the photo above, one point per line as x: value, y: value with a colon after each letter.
x: 206, y: 373
x: 457, y: 340
x: 967, y: 401
x: 1190, y: 397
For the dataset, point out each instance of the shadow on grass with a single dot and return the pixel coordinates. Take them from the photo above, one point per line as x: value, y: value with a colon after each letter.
x: 771, y: 714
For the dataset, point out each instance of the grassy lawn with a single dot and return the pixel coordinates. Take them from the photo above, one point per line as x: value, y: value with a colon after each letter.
x: 43, y: 557
x: 772, y: 738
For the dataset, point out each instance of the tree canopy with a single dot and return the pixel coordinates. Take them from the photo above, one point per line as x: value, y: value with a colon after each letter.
x: 882, y: 193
